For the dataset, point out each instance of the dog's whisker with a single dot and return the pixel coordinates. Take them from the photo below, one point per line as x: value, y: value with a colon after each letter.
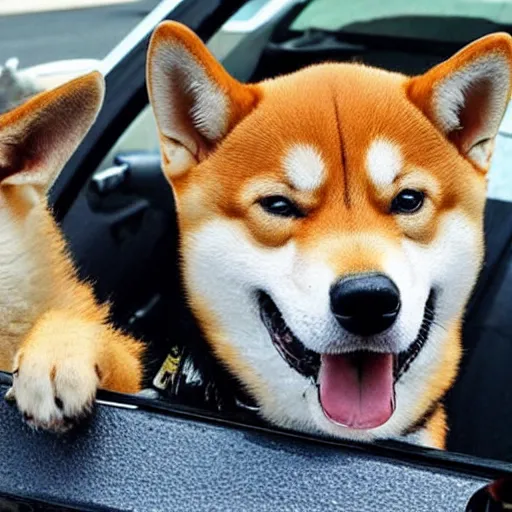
x: 440, y: 325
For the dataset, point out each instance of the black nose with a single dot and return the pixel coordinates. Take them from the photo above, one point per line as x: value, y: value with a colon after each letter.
x: 365, y: 304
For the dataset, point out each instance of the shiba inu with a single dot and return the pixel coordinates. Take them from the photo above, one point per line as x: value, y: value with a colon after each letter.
x: 331, y: 227
x: 53, y: 334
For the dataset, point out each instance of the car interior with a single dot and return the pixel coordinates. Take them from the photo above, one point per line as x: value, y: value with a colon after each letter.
x: 123, y: 234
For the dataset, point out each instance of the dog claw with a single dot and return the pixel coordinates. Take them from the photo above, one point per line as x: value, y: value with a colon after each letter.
x: 9, y: 395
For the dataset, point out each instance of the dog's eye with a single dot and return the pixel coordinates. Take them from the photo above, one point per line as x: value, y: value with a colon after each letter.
x: 407, y: 201
x: 280, y: 205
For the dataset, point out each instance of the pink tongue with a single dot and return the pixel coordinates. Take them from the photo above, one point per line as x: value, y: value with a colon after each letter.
x: 356, y: 390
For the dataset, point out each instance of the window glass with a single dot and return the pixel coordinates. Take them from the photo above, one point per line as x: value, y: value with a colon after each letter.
x: 44, y: 43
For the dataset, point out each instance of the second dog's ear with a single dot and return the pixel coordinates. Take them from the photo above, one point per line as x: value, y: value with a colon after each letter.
x: 38, y: 137
x: 195, y: 101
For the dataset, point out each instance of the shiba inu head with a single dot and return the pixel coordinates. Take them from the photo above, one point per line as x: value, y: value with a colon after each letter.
x: 331, y: 224
x: 36, y: 140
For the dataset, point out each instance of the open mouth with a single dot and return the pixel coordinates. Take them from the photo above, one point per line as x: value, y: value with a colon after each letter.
x: 356, y: 389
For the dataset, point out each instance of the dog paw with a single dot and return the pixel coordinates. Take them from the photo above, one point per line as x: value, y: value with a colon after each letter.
x: 55, y: 376
x: 53, y: 395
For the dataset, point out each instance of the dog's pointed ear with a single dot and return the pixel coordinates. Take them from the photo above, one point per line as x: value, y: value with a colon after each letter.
x: 38, y: 137
x: 466, y: 96
x: 195, y: 101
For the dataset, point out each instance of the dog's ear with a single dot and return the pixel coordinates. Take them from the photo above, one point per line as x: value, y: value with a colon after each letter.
x: 466, y: 96
x: 195, y: 101
x: 38, y: 137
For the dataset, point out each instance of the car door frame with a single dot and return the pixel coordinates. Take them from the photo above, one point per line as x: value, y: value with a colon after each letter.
x: 126, y: 94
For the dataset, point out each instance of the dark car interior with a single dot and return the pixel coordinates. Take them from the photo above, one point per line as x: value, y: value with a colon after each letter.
x: 122, y: 231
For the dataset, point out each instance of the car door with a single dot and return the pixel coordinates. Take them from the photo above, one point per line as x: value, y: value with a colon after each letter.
x: 150, y: 453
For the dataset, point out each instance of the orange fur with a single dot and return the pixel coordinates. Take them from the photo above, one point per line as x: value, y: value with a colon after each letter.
x: 438, y: 383
x: 437, y: 428
x: 244, y: 98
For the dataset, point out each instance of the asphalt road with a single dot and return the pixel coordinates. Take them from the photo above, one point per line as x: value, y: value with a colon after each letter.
x: 36, y: 38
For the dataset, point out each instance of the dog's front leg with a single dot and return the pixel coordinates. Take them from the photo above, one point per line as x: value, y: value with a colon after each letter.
x: 62, y: 362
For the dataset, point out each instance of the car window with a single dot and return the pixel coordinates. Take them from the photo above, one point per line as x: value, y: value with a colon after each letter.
x: 500, y: 181
x: 141, y: 136
x: 47, y: 43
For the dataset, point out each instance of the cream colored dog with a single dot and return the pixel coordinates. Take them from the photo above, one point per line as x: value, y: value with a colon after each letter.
x: 53, y: 333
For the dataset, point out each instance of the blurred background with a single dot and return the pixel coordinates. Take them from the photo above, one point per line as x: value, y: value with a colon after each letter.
x: 37, y: 31
x: 45, y: 42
